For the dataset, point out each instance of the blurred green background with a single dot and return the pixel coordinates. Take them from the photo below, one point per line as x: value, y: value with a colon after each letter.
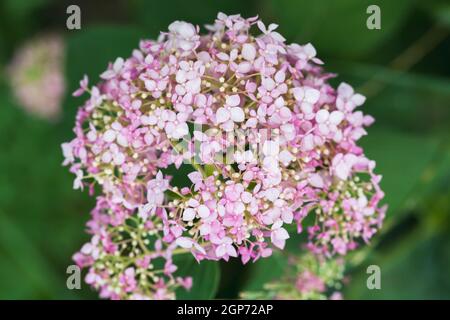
x: 403, y: 69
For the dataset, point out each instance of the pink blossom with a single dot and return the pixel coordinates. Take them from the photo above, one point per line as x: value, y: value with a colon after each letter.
x: 269, y: 141
x: 83, y: 87
x: 279, y: 237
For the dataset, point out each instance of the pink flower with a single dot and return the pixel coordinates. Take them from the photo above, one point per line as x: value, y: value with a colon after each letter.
x: 347, y: 100
x: 156, y: 189
x: 185, y: 282
x: 225, y: 248
x: 128, y: 280
x: 269, y: 141
x: 230, y: 113
x: 309, y: 282
x: 328, y: 123
x: 339, y: 246
x: 36, y: 76
x: 248, y: 52
x: 113, y: 69
x: 83, y: 87
x: 279, y: 237
x: 307, y: 97
x: 182, y: 35
x: 342, y: 165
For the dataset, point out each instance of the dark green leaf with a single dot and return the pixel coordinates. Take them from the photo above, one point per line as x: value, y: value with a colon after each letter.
x: 339, y: 27
x: 401, y: 159
x: 205, y: 276
x: 265, y: 270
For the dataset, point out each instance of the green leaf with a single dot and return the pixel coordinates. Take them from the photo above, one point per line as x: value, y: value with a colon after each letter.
x: 389, y: 77
x: 205, y: 276
x: 416, y: 270
x: 403, y: 100
x: 17, y: 21
x: 339, y: 27
x: 28, y: 262
x: 19, y: 9
x: 156, y: 16
x: 43, y: 216
x: 265, y: 270
x: 439, y: 10
x: 401, y: 159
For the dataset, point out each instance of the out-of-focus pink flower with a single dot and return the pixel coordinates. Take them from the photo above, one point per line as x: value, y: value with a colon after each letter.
x: 36, y: 75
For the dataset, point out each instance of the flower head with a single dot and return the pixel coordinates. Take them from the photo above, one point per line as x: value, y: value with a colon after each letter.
x: 37, y: 76
x: 269, y: 141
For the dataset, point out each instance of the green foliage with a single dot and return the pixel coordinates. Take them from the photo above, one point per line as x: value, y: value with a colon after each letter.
x: 339, y: 27
x: 401, y: 160
x: 205, y: 276
x: 416, y: 268
x: 155, y: 16
x: 41, y: 216
x: 264, y: 271
x: 440, y: 10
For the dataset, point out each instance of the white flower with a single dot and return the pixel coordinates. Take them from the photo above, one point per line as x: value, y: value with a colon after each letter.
x: 230, y: 113
x: 183, y: 35
x: 307, y: 97
x: 248, y: 52
x: 328, y: 122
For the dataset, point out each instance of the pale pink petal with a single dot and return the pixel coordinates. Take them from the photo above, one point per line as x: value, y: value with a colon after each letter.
x: 312, y: 95
x: 188, y: 214
x: 248, y: 52
x: 233, y: 100
x: 322, y: 115
x: 222, y: 115
x: 237, y: 114
x: 184, y: 242
x: 316, y: 180
x: 203, y: 211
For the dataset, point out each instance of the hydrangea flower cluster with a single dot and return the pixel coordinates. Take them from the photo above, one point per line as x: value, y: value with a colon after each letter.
x: 36, y: 74
x: 269, y: 140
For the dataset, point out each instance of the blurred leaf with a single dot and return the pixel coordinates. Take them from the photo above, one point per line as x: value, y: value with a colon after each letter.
x: 401, y: 160
x: 2, y: 55
x: 30, y: 265
x: 339, y: 27
x: 264, y: 271
x: 417, y: 270
x: 205, y: 276
x: 439, y: 9
x: 36, y: 192
x: 19, y: 9
x: 389, y: 77
x: 16, y: 20
x: 156, y: 16
x: 403, y: 100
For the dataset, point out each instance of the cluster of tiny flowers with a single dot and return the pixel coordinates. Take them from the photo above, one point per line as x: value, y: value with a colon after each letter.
x: 269, y: 141
x: 127, y: 257
x: 37, y: 77
x: 308, y: 277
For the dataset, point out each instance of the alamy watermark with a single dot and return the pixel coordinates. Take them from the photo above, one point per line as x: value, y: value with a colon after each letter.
x: 373, y: 22
x: 74, y: 279
x: 374, y: 279
x: 73, y: 21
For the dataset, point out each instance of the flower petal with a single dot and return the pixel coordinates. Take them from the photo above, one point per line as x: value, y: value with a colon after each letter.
x: 237, y: 114
x: 222, y: 115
